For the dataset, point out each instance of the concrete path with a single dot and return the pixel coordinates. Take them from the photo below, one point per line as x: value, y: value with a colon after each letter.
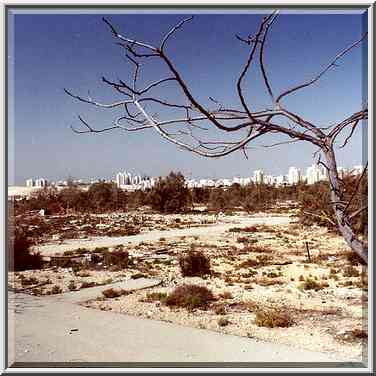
x: 55, y: 329
x: 91, y: 243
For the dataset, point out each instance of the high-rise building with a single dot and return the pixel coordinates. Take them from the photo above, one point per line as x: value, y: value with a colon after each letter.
x: 341, y: 172
x: 258, y: 176
x: 29, y: 183
x: 294, y: 176
x: 41, y: 182
x: 313, y: 174
x: 357, y: 170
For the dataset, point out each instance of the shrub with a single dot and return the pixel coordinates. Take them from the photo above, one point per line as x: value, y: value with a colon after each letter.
x: 190, y: 297
x: 72, y: 286
x: 120, y: 259
x: 220, y: 309
x: 350, y: 271
x: 226, y: 295
x: 28, y: 281
x: 274, y: 317
x: 86, y: 285
x: 223, y: 321
x: 56, y: 290
x: 311, y: 284
x: 20, y: 257
x: 111, y: 293
x: 195, y: 263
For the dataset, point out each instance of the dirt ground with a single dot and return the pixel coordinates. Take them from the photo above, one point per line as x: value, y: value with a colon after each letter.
x: 261, y: 267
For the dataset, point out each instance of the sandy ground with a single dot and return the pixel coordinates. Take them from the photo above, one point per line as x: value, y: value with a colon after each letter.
x: 54, y: 329
x: 324, y: 318
x: 207, y: 231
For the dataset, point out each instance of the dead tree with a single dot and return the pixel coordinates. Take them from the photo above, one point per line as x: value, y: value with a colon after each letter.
x: 243, y: 125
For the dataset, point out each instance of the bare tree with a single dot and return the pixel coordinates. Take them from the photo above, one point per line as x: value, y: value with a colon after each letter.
x: 242, y: 126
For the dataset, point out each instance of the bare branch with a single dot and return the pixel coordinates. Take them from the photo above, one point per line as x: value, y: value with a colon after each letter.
x: 318, y: 76
x: 173, y: 30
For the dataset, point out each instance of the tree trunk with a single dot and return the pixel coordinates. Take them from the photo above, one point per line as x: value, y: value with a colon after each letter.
x: 343, y: 222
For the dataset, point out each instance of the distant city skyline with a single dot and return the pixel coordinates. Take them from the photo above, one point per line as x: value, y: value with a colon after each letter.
x: 41, y: 142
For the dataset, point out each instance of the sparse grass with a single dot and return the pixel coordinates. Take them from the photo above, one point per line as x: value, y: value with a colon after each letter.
x: 195, y: 263
x: 274, y: 317
x: 190, y: 297
x: 154, y: 297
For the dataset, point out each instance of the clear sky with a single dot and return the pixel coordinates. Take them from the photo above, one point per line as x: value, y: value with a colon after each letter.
x: 49, y: 52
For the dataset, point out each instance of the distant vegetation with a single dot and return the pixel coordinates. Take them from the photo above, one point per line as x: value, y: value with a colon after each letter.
x: 170, y: 195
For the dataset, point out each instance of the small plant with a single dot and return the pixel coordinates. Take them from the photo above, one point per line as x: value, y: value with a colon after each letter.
x: 162, y: 239
x: 56, y: 290
x: 226, y: 295
x: 83, y: 273
x: 138, y: 275
x: 311, y: 284
x: 220, y: 309
x: 223, y: 321
x: 190, y: 297
x: 350, y: 271
x: 86, y: 285
x: 111, y: 293
x: 195, y: 263
x: 28, y: 281
x: 274, y: 317
x: 72, y: 286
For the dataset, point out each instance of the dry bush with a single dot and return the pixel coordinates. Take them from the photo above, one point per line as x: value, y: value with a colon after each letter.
x: 264, y: 281
x: 118, y: 259
x: 28, y: 281
x: 223, y: 321
x: 112, y: 293
x: 274, y: 317
x: 350, y: 271
x: 195, y: 263
x: 311, y: 284
x: 261, y: 260
x: 190, y: 297
x: 226, y: 295
x: 86, y: 285
x: 257, y: 249
x: 56, y: 290
x: 353, y: 258
x: 220, y: 309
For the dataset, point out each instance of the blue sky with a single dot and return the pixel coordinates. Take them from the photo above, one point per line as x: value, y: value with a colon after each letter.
x: 50, y: 52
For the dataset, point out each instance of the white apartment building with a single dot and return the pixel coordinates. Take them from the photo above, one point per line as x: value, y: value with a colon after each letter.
x: 294, y: 176
x: 341, y: 172
x: 29, y: 183
x: 357, y: 170
x: 280, y: 180
x: 258, y: 176
x: 41, y: 182
x: 313, y: 174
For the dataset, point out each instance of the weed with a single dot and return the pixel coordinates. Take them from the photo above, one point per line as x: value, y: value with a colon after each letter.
x: 154, y: 297
x: 72, y: 286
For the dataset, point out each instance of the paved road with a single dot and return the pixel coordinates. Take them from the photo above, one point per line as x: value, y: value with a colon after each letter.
x: 91, y: 243
x: 56, y: 329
